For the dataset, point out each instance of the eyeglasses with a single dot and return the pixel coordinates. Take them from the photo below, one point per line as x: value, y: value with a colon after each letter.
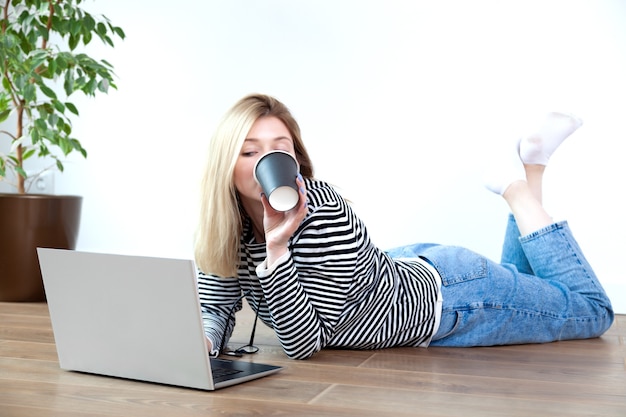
x: 246, y: 349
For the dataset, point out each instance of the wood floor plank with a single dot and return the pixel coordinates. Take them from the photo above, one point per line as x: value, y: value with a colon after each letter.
x: 461, y: 405
x: 28, y: 411
x: 612, y: 373
x: 453, y: 384
x: 28, y: 350
x: 25, y: 309
x: 240, y: 400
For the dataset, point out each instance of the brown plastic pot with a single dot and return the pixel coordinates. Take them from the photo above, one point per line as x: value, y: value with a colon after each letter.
x: 29, y: 221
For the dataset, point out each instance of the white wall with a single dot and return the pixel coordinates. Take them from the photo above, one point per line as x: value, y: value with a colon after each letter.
x: 399, y: 102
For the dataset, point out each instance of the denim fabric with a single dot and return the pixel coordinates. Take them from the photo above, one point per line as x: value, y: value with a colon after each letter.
x: 543, y: 290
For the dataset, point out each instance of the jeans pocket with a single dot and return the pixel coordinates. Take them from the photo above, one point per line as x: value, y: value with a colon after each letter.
x: 456, y: 264
x: 450, y: 321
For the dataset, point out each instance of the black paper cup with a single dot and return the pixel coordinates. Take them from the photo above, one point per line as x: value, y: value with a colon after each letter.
x: 276, y: 172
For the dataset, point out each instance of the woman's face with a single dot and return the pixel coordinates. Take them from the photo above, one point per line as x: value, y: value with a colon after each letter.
x: 267, y: 134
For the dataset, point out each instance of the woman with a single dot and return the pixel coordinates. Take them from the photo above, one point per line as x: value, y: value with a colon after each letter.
x: 314, y: 276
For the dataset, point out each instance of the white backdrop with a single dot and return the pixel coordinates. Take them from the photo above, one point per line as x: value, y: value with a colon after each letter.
x: 399, y: 101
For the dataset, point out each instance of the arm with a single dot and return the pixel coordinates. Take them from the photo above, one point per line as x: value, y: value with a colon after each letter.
x: 308, y: 286
x: 217, y: 296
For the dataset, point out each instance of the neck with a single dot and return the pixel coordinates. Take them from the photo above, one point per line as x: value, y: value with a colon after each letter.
x: 259, y: 233
x: 254, y: 210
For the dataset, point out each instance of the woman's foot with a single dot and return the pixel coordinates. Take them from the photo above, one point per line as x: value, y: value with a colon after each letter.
x: 538, y: 147
x: 505, y: 169
x: 534, y: 149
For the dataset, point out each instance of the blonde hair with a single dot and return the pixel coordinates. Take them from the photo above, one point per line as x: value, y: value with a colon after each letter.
x: 221, y: 216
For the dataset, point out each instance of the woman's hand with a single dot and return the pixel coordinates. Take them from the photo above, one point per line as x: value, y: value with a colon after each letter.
x: 280, y: 226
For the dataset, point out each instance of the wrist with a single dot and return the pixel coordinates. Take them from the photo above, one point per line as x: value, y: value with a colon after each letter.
x: 268, y: 266
x: 275, y: 251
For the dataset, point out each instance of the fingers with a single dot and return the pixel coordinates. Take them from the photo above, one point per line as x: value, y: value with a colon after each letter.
x: 266, y: 204
x: 281, y: 225
x: 302, y: 190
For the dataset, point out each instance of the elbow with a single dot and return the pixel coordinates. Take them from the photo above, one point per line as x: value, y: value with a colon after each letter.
x: 300, y: 354
x: 302, y: 348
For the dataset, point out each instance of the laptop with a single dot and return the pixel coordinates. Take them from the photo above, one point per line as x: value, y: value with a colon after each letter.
x: 134, y: 317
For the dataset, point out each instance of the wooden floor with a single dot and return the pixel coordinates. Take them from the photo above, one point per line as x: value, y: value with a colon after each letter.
x: 574, y: 378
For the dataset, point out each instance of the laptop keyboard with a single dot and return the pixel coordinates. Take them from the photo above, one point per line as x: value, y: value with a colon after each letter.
x: 219, y: 372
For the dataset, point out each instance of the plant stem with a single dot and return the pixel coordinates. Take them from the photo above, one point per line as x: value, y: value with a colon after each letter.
x: 19, y: 152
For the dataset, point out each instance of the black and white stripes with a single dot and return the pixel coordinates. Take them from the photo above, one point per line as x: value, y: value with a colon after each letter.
x: 335, y: 289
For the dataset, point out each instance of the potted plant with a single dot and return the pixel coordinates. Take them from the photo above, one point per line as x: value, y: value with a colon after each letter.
x: 42, y: 63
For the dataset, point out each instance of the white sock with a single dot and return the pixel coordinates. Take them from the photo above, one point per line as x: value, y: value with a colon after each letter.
x: 538, y: 147
x: 505, y: 169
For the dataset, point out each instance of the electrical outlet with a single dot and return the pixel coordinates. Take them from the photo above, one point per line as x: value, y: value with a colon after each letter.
x: 42, y: 183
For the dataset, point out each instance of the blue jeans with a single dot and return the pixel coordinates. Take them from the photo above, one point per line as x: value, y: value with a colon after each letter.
x: 543, y: 290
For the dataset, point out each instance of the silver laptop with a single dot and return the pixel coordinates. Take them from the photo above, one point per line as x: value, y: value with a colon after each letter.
x: 134, y: 317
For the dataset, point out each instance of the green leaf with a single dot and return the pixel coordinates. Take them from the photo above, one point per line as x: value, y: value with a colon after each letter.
x: 41, y: 125
x: 61, y: 62
x: 20, y: 171
x: 101, y: 29
x: 68, y: 83
x: 52, y: 68
x: 28, y: 154
x: 39, y: 57
x: 119, y: 32
x: 43, y: 150
x: 75, y: 28
x: 86, y: 38
x: 19, y: 81
x: 29, y: 92
x: 88, y: 23
x: 60, y: 107
x: 4, y: 115
x: 108, y: 40
x: 71, y: 107
x: 103, y: 86
x: 53, y: 120
x: 90, y: 88
x: 48, y: 91
x: 73, y: 42
x: 65, y: 145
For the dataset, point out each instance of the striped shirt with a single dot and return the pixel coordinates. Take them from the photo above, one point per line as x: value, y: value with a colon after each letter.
x: 334, y: 287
